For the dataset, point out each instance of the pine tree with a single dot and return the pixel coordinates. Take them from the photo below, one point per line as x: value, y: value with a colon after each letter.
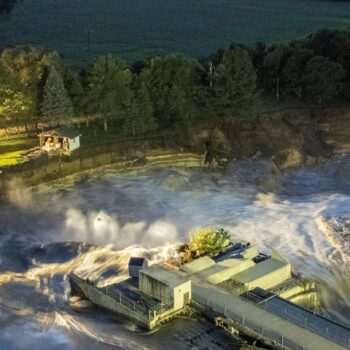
x: 56, y: 106
x: 235, y: 80
x: 140, y: 119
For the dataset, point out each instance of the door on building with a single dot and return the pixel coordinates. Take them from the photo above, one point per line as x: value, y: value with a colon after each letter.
x: 186, y: 298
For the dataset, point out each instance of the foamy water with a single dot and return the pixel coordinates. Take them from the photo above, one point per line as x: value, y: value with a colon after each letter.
x: 93, y: 223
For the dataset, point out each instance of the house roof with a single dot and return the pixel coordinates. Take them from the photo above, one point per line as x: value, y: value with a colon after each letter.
x: 62, y: 131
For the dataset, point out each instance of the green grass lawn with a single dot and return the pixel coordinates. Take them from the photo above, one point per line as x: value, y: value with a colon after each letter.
x: 11, y: 150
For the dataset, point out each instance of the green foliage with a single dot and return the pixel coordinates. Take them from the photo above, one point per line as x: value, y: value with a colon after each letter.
x: 331, y: 43
x: 174, y: 90
x: 173, y: 85
x: 323, y: 79
x: 235, y: 80
x: 275, y: 62
x: 27, y: 67
x: 209, y: 240
x: 14, y: 105
x: 76, y: 91
x: 293, y: 79
x: 57, y: 106
x: 139, y: 118
x: 109, y: 87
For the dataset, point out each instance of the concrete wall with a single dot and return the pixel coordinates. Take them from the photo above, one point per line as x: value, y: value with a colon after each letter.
x: 179, y: 295
x: 154, y: 288
x: 99, y: 298
x: 271, y: 279
x: 74, y: 143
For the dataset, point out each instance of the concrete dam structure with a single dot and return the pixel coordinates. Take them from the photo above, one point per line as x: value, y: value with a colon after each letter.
x: 249, y: 292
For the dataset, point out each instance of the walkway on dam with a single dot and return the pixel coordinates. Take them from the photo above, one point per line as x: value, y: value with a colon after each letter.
x: 260, y: 320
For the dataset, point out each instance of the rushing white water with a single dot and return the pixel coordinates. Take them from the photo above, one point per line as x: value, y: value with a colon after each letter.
x: 95, y: 222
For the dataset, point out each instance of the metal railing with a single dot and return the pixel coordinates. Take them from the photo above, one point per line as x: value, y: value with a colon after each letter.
x: 243, y: 320
x: 137, y: 306
x: 302, y: 320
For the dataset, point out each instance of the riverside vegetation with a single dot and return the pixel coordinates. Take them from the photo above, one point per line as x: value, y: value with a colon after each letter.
x: 172, y: 92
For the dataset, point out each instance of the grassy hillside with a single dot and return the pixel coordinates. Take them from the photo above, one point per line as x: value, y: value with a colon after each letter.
x: 135, y: 29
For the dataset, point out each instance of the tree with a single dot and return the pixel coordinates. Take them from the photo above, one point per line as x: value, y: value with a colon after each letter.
x: 76, y: 91
x: 293, y: 72
x: 57, y: 106
x: 235, y: 80
x: 109, y: 88
x: 139, y: 118
x: 14, y: 105
x: 259, y: 55
x: 274, y: 64
x: 173, y: 85
x: 209, y: 240
x: 323, y: 79
x: 331, y: 43
x: 27, y: 68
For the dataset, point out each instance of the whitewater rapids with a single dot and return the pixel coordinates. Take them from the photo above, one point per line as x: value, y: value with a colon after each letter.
x: 93, y: 223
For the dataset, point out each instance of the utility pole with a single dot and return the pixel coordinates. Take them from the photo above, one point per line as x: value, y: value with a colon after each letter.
x: 89, y: 34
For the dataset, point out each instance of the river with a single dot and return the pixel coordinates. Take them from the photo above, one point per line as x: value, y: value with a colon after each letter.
x: 93, y: 222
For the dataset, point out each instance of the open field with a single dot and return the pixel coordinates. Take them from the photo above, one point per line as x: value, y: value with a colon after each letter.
x: 11, y: 151
x: 136, y: 29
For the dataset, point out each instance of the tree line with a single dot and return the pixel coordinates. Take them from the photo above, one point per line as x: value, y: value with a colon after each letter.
x: 173, y: 91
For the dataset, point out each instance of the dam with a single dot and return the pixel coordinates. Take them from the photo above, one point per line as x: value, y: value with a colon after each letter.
x: 239, y: 287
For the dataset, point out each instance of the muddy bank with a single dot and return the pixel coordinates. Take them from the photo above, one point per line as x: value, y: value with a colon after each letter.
x: 287, y: 138
x: 291, y: 137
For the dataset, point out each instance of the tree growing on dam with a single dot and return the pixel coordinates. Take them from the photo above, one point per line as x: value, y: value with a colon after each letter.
x: 208, y: 240
x: 56, y: 106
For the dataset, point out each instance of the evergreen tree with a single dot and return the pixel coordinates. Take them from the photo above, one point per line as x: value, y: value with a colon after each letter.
x: 109, y: 88
x: 274, y: 64
x: 140, y: 119
x: 235, y: 80
x: 294, y: 70
x: 173, y: 84
x: 28, y: 67
x: 57, y: 106
x: 76, y: 92
x: 323, y: 79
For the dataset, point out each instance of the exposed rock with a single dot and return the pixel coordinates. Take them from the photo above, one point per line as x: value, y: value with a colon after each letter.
x: 264, y: 174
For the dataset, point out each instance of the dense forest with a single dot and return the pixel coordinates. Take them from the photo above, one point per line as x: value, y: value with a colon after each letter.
x: 173, y: 91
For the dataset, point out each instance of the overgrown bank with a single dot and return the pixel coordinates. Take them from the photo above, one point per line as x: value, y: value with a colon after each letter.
x: 290, y: 137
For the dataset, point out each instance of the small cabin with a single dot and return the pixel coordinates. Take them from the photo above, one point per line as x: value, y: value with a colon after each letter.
x: 135, y: 265
x: 62, y: 139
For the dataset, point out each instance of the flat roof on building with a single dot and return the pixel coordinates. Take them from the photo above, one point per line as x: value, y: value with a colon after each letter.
x: 198, y: 265
x: 166, y: 275
x: 260, y: 270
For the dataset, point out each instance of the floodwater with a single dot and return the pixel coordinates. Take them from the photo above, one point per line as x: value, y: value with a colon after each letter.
x: 137, y: 29
x: 93, y: 223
